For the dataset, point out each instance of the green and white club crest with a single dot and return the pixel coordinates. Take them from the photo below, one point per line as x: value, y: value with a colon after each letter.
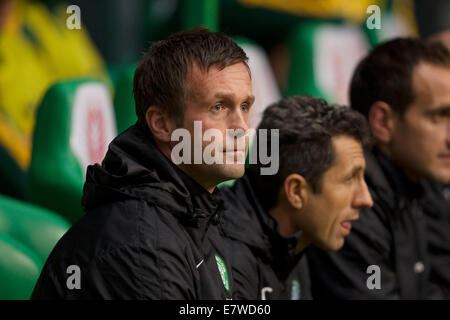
x: 295, y: 290
x: 223, y: 272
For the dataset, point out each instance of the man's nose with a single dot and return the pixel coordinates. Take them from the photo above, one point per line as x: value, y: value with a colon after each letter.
x: 239, y: 120
x: 363, y: 199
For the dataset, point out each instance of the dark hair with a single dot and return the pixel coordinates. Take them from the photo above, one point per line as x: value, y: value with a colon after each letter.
x: 161, y: 76
x: 386, y: 73
x: 306, y: 125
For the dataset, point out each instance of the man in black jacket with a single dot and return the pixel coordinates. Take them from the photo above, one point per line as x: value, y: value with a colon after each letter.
x: 313, y: 197
x: 403, y: 88
x: 151, y: 224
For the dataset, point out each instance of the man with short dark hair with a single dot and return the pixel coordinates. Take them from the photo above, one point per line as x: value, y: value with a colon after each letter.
x: 313, y: 198
x: 403, y: 88
x: 151, y: 224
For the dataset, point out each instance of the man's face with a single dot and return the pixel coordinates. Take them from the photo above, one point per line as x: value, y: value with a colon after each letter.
x: 220, y: 99
x: 421, y: 137
x: 327, y: 215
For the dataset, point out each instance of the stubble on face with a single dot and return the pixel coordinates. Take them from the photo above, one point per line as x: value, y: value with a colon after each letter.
x: 343, y: 193
x: 230, y: 88
x: 421, y: 138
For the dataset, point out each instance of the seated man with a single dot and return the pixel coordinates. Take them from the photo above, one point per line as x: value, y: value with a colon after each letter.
x: 403, y: 88
x: 150, y: 229
x: 313, y: 198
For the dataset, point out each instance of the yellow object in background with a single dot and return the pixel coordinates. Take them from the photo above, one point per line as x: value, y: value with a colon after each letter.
x: 36, y: 50
x: 353, y: 10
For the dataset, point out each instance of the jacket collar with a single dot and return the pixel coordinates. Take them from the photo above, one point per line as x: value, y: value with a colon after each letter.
x: 204, y: 204
x: 263, y: 235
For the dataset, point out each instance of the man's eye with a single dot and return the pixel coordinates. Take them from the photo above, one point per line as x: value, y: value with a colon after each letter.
x: 217, y: 107
x: 436, y: 117
x: 244, y: 107
x: 440, y: 116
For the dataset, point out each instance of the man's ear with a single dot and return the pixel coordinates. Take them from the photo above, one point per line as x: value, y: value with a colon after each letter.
x: 381, y: 121
x: 296, y: 190
x: 159, y: 124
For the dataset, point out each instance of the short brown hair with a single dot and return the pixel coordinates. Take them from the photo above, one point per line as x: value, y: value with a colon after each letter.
x: 385, y: 74
x: 161, y: 76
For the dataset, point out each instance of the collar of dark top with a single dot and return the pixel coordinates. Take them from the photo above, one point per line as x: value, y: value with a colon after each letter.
x: 206, y: 205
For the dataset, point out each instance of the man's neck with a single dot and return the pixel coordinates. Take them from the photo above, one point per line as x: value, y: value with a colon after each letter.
x: 388, y: 154
x: 302, y: 243
x: 285, y: 226
x: 207, y: 185
x: 187, y: 169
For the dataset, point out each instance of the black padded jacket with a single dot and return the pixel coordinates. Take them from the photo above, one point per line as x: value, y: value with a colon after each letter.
x: 264, y: 264
x: 149, y: 232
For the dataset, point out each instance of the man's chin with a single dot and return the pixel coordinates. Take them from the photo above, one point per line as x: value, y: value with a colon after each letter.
x: 230, y: 171
x: 441, y: 177
x: 445, y: 178
x: 332, y: 246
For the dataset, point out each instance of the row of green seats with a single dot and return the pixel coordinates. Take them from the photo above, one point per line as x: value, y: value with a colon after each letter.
x: 75, y: 123
x: 19, y: 269
x: 27, y: 235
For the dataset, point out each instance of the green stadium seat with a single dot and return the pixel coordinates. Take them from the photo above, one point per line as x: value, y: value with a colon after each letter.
x: 124, y: 106
x: 392, y: 26
x: 323, y: 58
x: 36, y: 228
x: 19, y: 269
x: 264, y: 84
x: 74, y: 125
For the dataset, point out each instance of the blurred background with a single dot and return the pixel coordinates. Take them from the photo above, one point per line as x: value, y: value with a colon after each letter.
x: 66, y: 73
